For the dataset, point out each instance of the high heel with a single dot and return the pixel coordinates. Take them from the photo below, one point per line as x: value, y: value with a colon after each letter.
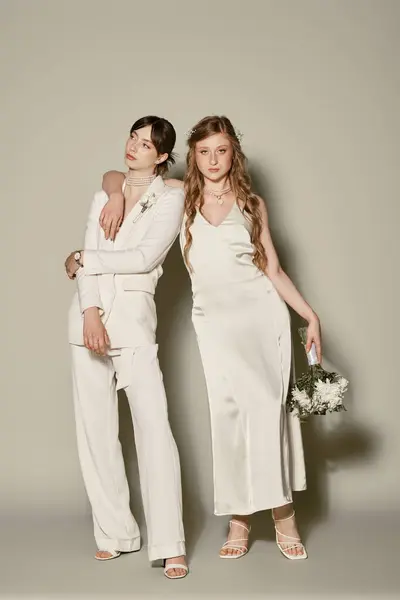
x: 294, y: 542
x: 114, y: 554
x: 232, y: 543
x: 174, y: 566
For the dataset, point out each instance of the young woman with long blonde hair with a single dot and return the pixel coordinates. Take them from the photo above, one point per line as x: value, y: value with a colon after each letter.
x: 243, y: 330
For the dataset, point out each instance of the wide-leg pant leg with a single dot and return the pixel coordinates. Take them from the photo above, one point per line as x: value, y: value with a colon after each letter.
x: 100, y: 454
x: 158, y: 459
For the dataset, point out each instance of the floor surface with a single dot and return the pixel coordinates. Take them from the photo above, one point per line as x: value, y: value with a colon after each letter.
x: 350, y: 556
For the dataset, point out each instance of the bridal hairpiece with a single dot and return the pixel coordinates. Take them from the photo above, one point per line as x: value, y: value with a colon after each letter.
x: 238, y: 134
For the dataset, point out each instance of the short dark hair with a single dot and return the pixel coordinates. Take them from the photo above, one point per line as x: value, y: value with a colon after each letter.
x: 163, y: 136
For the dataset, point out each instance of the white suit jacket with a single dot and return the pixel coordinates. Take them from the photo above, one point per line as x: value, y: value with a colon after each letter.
x: 120, y: 277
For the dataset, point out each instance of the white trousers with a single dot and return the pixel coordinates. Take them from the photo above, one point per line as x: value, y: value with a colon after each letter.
x: 96, y: 410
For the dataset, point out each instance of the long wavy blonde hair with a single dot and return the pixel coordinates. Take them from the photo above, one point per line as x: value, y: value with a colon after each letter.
x: 239, y: 179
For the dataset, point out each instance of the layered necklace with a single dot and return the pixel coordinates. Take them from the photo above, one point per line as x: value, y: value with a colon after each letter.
x: 218, y: 194
x: 134, y: 181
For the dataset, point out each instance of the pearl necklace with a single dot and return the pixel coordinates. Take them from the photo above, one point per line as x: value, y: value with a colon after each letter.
x: 133, y: 181
x: 218, y: 194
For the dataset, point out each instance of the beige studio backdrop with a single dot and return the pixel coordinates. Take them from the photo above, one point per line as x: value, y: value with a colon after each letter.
x: 314, y: 86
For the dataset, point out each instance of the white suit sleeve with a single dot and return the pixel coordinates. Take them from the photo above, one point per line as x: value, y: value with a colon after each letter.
x: 88, y: 287
x: 151, y: 250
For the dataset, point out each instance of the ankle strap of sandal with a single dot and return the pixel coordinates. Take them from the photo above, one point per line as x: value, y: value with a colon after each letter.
x: 239, y: 523
x: 285, y: 519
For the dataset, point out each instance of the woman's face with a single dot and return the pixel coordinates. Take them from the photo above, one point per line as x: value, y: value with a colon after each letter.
x: 140, y: 152
x: 214, y: 156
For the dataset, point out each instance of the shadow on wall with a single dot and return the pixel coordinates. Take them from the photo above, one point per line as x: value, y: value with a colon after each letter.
x: 331, y: 442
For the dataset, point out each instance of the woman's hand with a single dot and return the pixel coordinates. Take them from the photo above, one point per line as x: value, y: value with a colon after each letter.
x: 95, y: 335
x: 71, y: 266
x: 314, y: 336
x: 112, y: 214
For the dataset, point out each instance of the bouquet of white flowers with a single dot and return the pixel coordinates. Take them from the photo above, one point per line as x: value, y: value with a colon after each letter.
x: 317, y: 391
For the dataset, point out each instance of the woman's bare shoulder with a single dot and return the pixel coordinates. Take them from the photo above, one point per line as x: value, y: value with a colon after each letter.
x: 261, y: 203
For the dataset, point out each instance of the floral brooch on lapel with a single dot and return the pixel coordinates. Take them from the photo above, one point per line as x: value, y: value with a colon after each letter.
x: 146, y: 203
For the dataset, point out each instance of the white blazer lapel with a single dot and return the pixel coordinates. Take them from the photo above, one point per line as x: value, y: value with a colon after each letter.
x: 133, y: 218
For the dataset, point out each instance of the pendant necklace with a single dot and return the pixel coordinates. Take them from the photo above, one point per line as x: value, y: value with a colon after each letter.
x: 218, y: 194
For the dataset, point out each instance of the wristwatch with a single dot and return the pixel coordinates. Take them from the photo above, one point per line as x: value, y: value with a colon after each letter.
x: 77, y: 257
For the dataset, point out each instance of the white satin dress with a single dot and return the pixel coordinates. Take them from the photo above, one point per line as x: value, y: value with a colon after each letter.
x: 243, y: 332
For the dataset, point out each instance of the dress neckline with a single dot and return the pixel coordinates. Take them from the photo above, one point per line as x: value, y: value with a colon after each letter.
x: 223, y: 220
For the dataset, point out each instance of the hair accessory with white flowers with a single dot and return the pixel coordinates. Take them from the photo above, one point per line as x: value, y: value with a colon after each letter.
x: 238, y: 134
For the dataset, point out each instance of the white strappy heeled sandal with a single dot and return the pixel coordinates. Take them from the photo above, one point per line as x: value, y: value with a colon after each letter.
x: 175, y: 566
x: 292, y: 541
x: 113, y: 554
x: 233, y: 543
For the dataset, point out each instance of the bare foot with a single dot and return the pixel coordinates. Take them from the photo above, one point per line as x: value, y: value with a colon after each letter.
x: 178, y: 560
x: 287, y: 533
x: 238, y: 536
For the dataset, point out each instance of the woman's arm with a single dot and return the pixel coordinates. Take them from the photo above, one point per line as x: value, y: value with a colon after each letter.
x: 286, y: 288
x: 150, y: 251
x: 88, y: 288
x: 95, y: 336
x: 113, y: 212
x: 113, y: 182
